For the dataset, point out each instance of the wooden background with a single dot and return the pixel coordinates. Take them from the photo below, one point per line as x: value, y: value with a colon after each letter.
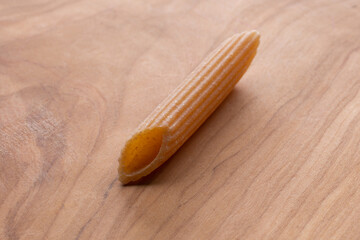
x: 280, y: 158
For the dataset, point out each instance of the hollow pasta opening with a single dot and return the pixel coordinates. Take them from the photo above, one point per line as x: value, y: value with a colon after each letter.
x: 142, y: 149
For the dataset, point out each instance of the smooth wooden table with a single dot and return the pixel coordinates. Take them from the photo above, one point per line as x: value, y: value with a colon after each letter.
x: 280, y: 158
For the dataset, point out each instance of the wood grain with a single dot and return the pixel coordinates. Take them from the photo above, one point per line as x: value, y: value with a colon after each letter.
x: 280, y: 158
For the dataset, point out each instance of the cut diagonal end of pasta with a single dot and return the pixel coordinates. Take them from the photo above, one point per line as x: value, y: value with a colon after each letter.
x: 163, y: 132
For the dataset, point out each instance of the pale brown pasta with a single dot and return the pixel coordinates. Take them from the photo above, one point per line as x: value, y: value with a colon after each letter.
x: 164, y: 131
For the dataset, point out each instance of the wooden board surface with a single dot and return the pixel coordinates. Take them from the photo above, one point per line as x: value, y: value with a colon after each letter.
x: 280, y: 158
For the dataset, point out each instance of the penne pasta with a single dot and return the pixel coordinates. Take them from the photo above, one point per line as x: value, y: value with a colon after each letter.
x: 163, y: 132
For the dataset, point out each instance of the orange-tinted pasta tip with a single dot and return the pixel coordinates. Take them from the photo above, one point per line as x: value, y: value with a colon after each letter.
x: 163, y: 132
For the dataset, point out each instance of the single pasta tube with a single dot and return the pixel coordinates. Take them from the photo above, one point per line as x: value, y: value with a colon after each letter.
x: 163, y: 132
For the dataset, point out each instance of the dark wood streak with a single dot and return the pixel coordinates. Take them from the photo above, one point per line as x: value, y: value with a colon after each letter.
x: 106, y: 194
